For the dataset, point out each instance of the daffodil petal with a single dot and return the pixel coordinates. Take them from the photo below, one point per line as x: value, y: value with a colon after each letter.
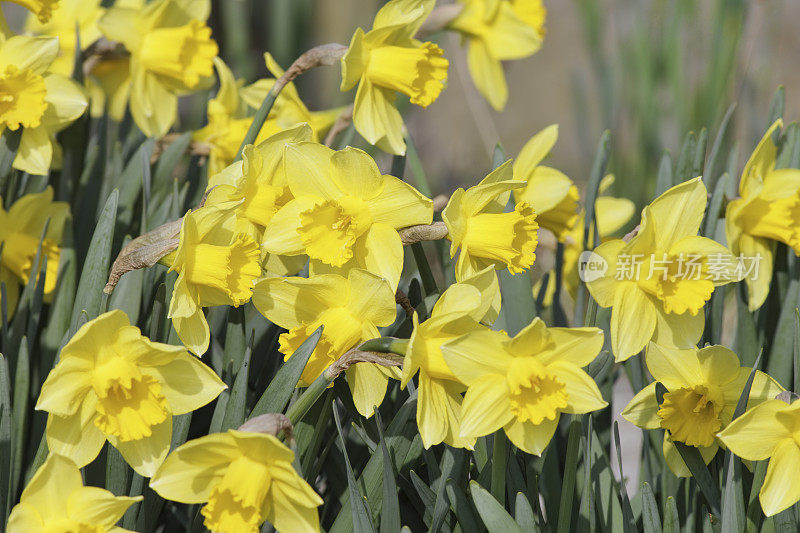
x: 676, y: 463
x: 583, y: 396
x: 754, y: 435
x: 193, y: 331
x: 781, y: 489
x: 381, y: 252
x: 476, y: 354
x: 605, y: 287
x: 532, y: 438
x: 674, y: 368
x: 146, y: 455
x: 35, y: 153
x: 290, y: 302
x: 76, y: 436
x: 189, y: 473
x: 486, y: 406
x: 678, y: 331
x: 578, y: 346
x: 368, y: 387
x: 376, y: 118
x: 678, y: 212
x: 57, y: 477
x: 371, y: 297
x: 66, y: 386
x: 642, y: 410
x: 281, y: 235
x: 487, y: 74
x: 93, y: 505
x: 400, y: 205
x: 633, y: 321
x: 186, y: 383
x: 534, y: 151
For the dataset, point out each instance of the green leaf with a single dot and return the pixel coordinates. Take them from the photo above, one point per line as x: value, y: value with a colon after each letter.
x: 593, y: 188
x: 710, y: 171
x: 796, y: 351
x: 6, y: 435
x: 118, y: 473
x: 671, y: 518
x: 235, y: 408
x: 95, y: 269
x: 518, y: 307
x: 651, y: 522
x: 9, y: 143
x: 776, y: 106
x: 168, y: 161
x: 494, y: 517
x: 523, y: 513
x: 781, y: 356
x: 628, y: 523
x: 127, y: 295
x: 22, y: 384
x: 390, y: 506
x: 461, y: 508
x: 280, y: 389
x: 565, y: 513
x: 361, y: 517
x: 664, y: 179
x: 683, y: 169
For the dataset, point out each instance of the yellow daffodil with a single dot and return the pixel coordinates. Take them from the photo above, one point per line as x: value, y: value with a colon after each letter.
x: 659, y: 281
x: 56, y: 500
x: 344, y: 214
x: 244, y: 479
x: 523, y: 384
x: 171, y: 51
x: 350, y: 308
x: 70, y: 14
x: 256, y: 188
x: 20, y: 230
x: 112, y: 383
x: 770, y: 431
x: 40, y: 102
x: 386, y: 60
x: 551, y: 194
x: 43, y: 9
x: 216, y: 265
x: 495, y: 31
x: 611, y: 214
x: 461, y: 309
x: 703, y: 388
x: 289, y: 110
x: 486, y: 235
x: 230, y: 115
x: 768, y: 210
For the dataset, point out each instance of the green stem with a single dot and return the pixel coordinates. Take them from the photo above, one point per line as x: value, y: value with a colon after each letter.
x: 428, y: 282
x: 260, y: 117
x: 385, y: 345
x: 499, y: 464
x: 298, y: 409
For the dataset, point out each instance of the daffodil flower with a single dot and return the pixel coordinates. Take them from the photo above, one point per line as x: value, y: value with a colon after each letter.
x: 69, y: 14
x: 461, y: 309
x: 216, y: 265
x: 350, y: 308
x: 43, y: 9
x: 703, y: 388
x: 289, y: 110
x: 256, y: 189
x: 387, y: 60
x: 113, y: 384
x: 56, y: 500
x: 40, y: 102
x: 344, y: 214
x: 171, y: 51
x: 244, y: 479
x: 767, y: 211
x: 769, y: 431
x: 523, y: 384
x: 659, y: 281
x: 611, y: 214
x: 484, y: 234
x: 495, y: 31
x: 20, y: 230
x: 551, y: 194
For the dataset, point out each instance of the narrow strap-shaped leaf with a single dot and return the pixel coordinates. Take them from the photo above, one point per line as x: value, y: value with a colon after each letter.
x: 22, y: 385
x: 671, y: 518
x: 235, y: 409
x: 523, y: 513
x: 565, y: 514
x: 361, y: 518
x: 627, y: 512
x: 651, y: 522
x: 710, y: 170
x: 280, y: 389
x: 390, y: 506
x: 593, y: 188
x: 95, y: 267
x: 499, y: 466
x: 494, y: 517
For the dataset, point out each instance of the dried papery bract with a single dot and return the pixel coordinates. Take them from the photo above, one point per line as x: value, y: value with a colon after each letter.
x: 423, y: 232
x: 269, y: 423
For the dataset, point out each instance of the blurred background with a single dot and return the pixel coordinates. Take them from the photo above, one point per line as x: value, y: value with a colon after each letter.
x: 648, y: 70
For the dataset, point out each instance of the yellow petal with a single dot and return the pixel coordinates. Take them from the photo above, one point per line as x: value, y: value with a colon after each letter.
x: 154, y: 108
x: 675, y: 368
x: 120, y: 24
x: 754, y: 435
x: 291, y: 504
x: 781, y: 183
x: 678, y: 331
x: 633, y: 321
x: 400, y: 205
x: 764, y: 388
x: 146, y: 455
x: 486, y: 407
x: 67, y: 102
x: 370, y: 297
x: 605, y: 287
x: 758, y: 285
x: 509, y: 37
x: 781, y: 489
x: 531, y: 438
x: 675, y: 462
x: 46, y: 492
x: 193, y: 331
x: 76, y: 436
x: 476, y: 354
x: 380, y: 251
x: 612, y: 214
x: 642, y: 410
x: 376, y: 118
x: 578, y: 346
x: 534, y: 151
x: 368, y: 387
x: 281, y: 235
x: 678, y: 212
x: 66, y: 386
x: 354, y: 171
x: 439, y: 412
x: 35, y: 153
x: 96, y: 506
x: 583, y: 396
x: 186, y: 382
x: 27, y: 52
x: 290, y: 302
x: 718, y: 364
x: 308, y: 171
x: 191, y: 471
x: 487, y: 74
x: 408, y: 13
x: 761, y: 161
